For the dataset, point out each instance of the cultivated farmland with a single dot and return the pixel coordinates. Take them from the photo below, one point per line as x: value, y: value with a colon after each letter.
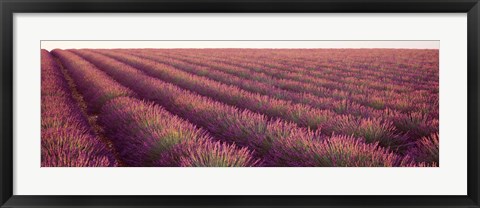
x: 240, y: 107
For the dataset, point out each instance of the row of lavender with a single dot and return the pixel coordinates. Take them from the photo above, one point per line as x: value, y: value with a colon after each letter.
x: 414, y: 118
x: 353, y: 92
x: 269, y: 139
x: 144, y: 134
x: 67, y: 139
x: 337, y: 74
x: 415, y: 124
x: 270, y: 126
x: 408, y: 65
x: 382, y: 128
x: 334, y: 84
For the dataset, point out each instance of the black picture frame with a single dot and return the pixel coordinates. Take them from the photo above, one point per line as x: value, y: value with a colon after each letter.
x: 9, y: 7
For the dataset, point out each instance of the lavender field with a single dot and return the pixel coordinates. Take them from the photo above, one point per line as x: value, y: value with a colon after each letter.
x: 240, y: 108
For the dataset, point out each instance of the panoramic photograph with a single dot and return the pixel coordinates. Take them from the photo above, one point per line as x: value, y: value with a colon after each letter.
x: 219, y: 104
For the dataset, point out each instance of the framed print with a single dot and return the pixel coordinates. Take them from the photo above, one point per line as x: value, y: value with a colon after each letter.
x: 239, y: 104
